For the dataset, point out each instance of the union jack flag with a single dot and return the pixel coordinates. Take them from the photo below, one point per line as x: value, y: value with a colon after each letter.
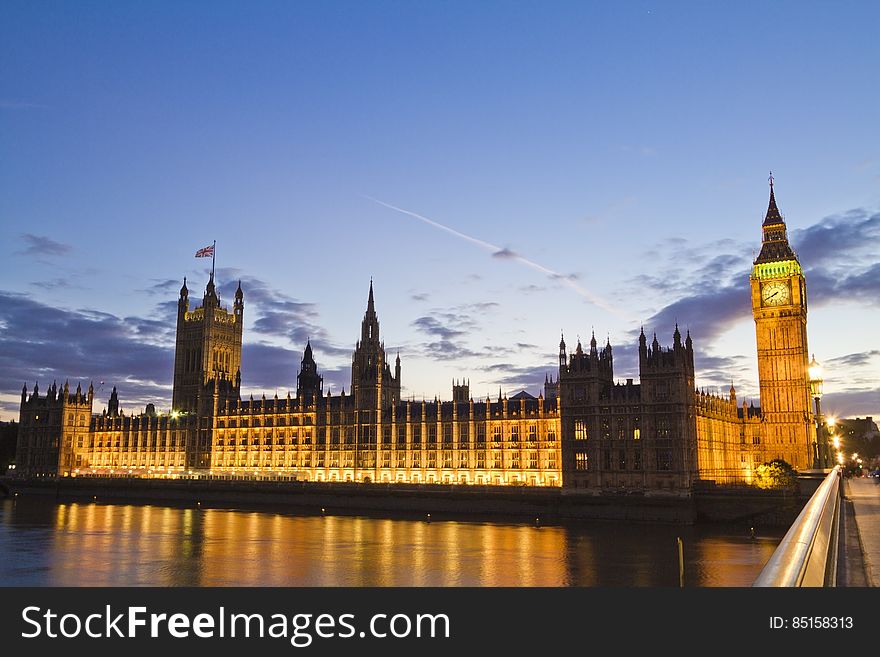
x: 206, y: 252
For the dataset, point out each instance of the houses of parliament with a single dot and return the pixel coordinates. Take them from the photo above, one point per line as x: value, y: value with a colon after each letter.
x: 584, y: 431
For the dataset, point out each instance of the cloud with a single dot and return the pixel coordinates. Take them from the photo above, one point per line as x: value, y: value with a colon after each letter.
x: 164, y: 288
x: 707, y: 313
x: 507, y: 254
x: 517, y: 377
x: 39, y: 245
x: 278, y: 315
x: 421, y: 296
x: 41, y: 343
x: 434, y: 327
x: 54, y: 284
x: 855, y: 360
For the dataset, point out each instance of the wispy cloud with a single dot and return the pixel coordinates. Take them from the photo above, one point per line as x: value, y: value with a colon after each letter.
x: 40, y: 245
x: 507, y: 254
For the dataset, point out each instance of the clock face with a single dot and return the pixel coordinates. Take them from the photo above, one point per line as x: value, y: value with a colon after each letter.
x: 775, y: 294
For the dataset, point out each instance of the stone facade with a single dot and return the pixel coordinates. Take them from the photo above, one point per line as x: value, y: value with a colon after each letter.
x: 586, y: 431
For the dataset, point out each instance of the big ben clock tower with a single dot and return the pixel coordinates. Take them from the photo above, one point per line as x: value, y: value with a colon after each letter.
x: 779, y: 306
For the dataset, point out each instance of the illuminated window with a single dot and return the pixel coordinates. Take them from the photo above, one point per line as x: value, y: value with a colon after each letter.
x: 637, y: 434
x: 551, y: 435
x: 662, y: 427
x: 580, y: 430
x: 581, y: 461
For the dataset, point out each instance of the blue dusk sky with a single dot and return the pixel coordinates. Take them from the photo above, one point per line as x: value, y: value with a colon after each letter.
x: 503, y: 171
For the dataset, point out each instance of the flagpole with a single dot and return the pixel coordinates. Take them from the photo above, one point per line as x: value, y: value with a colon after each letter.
x: 213, y: 252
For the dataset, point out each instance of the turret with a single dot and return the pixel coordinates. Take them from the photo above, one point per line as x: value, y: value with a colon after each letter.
x: 113, y: 403
x: 309, y: 384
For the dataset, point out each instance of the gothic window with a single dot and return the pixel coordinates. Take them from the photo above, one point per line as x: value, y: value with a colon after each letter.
x: 664, y: 459
x: 496, y: 434
x: 533, y: 433
x: 416, y: 434
x: 432, y: 434
x: 481, y: 434
x: 581, y: 461
x: 533, y: 460
x: 514, y: 463
x: 606, y: 459
x: 637, y: 460
x: 463, y: 433
x: 580, y: 430
x: 621, y: 459
x: 551, y: 436
x: 662, y: 428
x: 514, y: 433
x: 447, y: 434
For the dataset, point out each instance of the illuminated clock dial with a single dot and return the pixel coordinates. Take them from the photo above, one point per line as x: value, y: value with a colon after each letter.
x: 775, y: 294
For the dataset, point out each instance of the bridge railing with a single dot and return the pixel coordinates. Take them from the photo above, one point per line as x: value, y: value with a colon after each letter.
x: 807, y: 554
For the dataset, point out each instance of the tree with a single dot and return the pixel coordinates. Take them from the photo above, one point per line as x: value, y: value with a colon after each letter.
x: 776, y: 474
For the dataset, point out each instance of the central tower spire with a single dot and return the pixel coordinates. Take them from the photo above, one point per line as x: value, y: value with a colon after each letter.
x: 370, y: 324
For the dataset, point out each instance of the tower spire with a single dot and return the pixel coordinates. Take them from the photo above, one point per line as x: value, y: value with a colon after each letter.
x: 773, y: 216
x: 775, y: 246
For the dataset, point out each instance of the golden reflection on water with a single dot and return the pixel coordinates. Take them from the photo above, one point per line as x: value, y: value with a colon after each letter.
x: 97, y: 544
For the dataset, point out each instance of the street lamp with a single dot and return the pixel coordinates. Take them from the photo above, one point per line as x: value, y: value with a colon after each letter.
x: 819, y: 450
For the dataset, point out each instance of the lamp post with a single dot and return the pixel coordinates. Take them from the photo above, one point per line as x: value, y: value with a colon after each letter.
x: 820, y: 456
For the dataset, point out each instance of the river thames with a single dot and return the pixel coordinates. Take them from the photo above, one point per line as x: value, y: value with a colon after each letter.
x: 45, y: 543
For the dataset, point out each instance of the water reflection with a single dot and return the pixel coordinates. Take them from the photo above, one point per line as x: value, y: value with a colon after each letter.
x: 93, y: 544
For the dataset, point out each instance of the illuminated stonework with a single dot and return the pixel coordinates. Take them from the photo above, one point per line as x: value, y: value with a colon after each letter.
x: 585, y: 431
x: 779, y: 306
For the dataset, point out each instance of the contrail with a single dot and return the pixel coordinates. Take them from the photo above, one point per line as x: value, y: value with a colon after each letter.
x: 500, y: 252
